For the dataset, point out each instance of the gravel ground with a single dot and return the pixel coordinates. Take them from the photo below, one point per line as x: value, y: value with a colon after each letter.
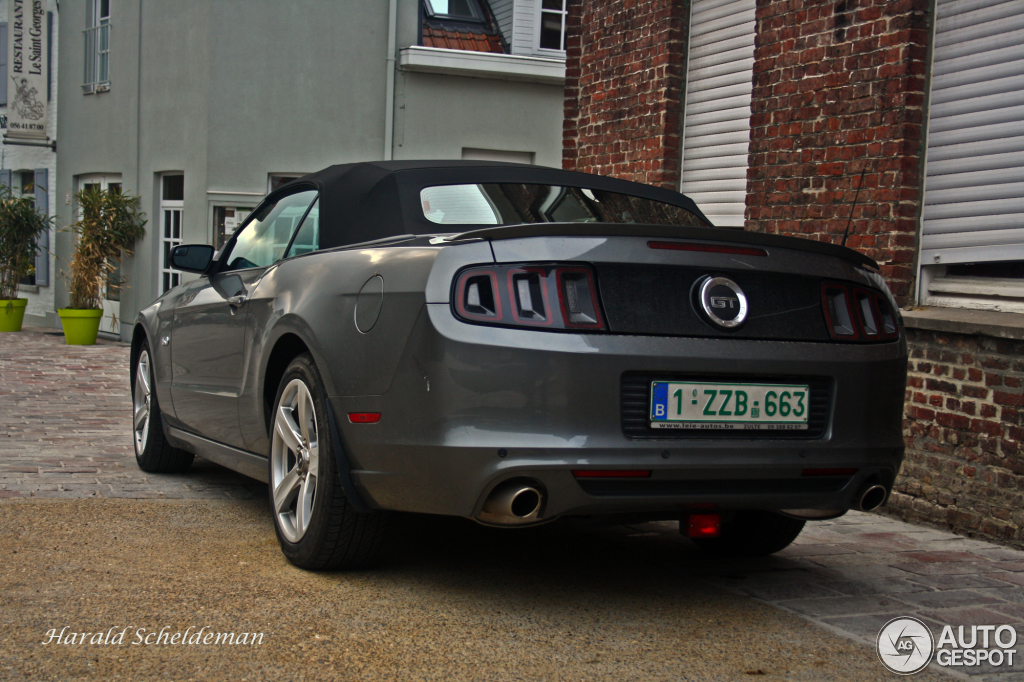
x: 456, y: 602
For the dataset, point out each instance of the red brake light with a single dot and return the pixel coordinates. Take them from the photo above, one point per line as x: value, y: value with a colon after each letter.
x: 708, y: 248
x: 703, y: 526
x: 578, y: 298
x: 838, y: 315
x: 528, y: 289
x: 562, y: 297
x: 856, y: 314
x: 890, y: 328
x: 477, y: 295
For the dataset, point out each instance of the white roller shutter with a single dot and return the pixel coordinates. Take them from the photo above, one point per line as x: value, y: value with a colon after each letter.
x: 974, y: 185
x: 716, y: 120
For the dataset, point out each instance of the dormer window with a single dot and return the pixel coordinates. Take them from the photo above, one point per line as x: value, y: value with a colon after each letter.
x: 461, y: 25
x: 551, y: 35
x: 462, y: 10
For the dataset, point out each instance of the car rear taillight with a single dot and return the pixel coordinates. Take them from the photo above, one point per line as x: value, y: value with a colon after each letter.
x: 562, y: 297
x: 856, y: 314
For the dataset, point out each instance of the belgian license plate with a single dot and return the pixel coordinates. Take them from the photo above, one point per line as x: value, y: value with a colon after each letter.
x: 755, y: 407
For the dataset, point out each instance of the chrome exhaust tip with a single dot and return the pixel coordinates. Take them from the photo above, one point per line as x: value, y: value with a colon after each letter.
x: 511, y: 504
x: 872, y: 497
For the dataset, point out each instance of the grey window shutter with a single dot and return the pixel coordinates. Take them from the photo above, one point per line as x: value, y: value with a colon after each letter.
x: 716, y: 123
x: 974, y: 185
x: 43, y: 243
x: 5, y: 178
x: 3, y: 63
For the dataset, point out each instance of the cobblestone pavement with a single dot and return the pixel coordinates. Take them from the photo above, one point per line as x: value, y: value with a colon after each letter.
x: 64, y: 433
x: 65, y: 426
x: 855, y: 573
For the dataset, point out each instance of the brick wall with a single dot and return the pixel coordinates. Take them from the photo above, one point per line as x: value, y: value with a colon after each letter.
x: 624, y: 89
x: 964, y: 429
x: 839, y: 89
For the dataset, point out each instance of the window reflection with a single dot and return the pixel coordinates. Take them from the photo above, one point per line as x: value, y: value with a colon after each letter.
x: 516, y: 203
x: 263, y: 240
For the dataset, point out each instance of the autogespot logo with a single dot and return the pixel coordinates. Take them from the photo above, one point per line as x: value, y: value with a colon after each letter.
x: 905, y: 645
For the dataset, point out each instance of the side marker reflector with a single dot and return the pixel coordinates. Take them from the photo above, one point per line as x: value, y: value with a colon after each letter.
x: 611, y: 473
x: 364, y: 417
x: 829, y: 472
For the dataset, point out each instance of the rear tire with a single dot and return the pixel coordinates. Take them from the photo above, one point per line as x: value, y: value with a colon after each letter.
x: 317, y: 527
x: 753, y: 533
x: 152, y: 451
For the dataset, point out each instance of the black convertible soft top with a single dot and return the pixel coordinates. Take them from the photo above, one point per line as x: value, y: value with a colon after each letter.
x: 361, y: 202
x: 368, y: 201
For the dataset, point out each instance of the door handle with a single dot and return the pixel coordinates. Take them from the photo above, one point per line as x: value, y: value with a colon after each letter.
x: 236, y: 300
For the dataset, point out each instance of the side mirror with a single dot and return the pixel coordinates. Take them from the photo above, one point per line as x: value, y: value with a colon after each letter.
x: 192, y: 257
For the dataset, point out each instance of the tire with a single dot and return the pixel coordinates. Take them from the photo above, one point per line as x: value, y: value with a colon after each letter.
x: 317, y: 527
x: 753, y: 533
x: 152, y: 451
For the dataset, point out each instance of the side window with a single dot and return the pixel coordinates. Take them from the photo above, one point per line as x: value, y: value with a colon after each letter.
x: 263, y: 240
x: 308, y: 238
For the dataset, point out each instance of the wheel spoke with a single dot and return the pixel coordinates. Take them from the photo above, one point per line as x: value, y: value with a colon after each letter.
x: 141, y: 415
x: 303, y: 408
x: 304, y: 503
x: 143, y: 375
x: 286, y: 492
x: 314, y: 457
x: 286, y: 428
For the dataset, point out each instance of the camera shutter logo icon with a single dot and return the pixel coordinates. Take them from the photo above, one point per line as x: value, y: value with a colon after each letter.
x: 905, y: 646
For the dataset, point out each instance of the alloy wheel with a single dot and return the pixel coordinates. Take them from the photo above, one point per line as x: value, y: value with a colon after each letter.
x: 294, y: 460
x: 141, y: 403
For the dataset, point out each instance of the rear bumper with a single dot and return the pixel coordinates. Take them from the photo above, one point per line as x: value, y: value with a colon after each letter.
x: 473, y: 406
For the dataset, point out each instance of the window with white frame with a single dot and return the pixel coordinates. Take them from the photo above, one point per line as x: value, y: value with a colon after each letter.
x: 533, y: 28
x: 551, y: 25
x: 172, y: 203
x: 97, y: 46
x: 227, y: 219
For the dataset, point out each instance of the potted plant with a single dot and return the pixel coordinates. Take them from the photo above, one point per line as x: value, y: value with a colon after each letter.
x: 109, y: 225
x: 20, y: 226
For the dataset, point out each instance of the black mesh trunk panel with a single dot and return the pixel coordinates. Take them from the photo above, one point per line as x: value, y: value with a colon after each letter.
x: 660, y: 300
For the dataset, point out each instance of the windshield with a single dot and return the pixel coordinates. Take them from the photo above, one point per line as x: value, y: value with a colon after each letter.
x: 516, y: 203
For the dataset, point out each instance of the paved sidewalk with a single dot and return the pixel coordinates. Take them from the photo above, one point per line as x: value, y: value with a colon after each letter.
x: 65, y: 433
x: 65, y: 426
x: 855, y: 573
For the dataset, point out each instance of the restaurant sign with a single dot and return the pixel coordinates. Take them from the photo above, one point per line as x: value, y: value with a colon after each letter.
x: 26, y: 60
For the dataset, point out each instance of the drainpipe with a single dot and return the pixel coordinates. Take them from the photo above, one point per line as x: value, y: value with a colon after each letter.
x: 389, y: 98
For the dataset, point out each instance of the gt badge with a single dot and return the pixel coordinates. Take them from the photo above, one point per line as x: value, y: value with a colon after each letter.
x: 723, y: 302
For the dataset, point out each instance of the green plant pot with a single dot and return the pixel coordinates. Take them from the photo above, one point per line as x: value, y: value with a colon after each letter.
x: 12, y: 313
x: 80, y: 326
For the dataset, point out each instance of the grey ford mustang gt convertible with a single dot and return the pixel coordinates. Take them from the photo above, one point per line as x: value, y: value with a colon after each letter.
x: 515, y: 344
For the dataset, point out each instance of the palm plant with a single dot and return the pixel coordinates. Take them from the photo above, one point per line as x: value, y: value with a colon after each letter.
x: 107, y: 230
x: 20, y: 226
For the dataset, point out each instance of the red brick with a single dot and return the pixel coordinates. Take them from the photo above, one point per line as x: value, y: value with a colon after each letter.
x: 1003, y: 398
